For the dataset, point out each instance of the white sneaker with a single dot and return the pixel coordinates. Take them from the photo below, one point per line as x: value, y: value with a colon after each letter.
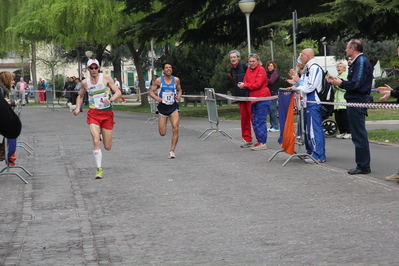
x: 340, y: 136
x: 274, y: 130
x: 171, y: 155
x: 347, y: 136
x: 309, y: 160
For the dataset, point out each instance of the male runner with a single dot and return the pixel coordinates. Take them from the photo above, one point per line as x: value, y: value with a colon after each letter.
x: 100, y: 116
x: 169, y: 91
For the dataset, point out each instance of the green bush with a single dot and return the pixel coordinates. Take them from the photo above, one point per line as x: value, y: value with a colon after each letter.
x: 391, y: 81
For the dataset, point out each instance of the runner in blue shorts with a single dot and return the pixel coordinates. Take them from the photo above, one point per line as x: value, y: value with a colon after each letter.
x: 169, y: 91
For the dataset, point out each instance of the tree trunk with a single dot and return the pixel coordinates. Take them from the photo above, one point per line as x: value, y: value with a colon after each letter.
x: 33, y: 71
x: 139, y: 69
x: 117, y: 69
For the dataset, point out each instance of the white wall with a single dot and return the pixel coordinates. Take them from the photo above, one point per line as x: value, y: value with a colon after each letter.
x: 331, y: 65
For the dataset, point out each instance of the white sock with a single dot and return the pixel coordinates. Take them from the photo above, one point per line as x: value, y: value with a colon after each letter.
x: 98, y: 157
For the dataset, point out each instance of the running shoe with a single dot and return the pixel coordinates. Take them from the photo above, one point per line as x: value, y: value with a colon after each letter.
x: 12, y: 159
x: 340, y: 136
x: 246, y: 144
x: 99, y: 173
x: 395, y: 176
x: 259, y: 146
x: 274, y: 130
x: 347, y: 136
x: 171, y: 155
x: 309, y: 160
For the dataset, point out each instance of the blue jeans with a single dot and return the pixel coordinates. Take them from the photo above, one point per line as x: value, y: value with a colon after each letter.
x: 273, y: 114
x: 12, y: 147
x: 357, y: 126
x: 259, y: 114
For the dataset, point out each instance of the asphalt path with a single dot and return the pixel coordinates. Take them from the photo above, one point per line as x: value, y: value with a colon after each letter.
x: 215, y: 204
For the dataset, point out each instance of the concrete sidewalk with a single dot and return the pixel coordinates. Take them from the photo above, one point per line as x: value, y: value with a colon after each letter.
x: 215, y: 204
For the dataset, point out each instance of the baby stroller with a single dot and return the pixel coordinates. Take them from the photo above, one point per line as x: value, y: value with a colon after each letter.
x: 329, y: 125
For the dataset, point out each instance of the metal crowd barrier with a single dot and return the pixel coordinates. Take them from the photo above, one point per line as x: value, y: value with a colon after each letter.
x: 300, y: 133
x: 154, y: 111
x: 6, y: 170
x: 21, y: 143
x: 25, y: 146
x: 211, y: 106
x: 50, y: 99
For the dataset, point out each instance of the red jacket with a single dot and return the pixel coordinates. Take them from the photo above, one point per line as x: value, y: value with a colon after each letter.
x: 256, y: 82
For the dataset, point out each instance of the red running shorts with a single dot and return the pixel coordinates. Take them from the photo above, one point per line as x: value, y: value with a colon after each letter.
x: 105, y: 119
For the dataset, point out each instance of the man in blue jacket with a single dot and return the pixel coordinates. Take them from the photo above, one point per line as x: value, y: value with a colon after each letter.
x: 358, y: 88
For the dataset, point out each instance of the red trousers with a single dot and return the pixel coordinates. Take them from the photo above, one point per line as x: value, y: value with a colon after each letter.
x: 41, y: 92
x: 246, y: 118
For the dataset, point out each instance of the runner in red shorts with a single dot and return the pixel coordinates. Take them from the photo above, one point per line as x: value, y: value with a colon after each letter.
x: 100, y: 116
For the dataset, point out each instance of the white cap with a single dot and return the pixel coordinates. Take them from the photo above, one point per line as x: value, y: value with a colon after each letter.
x: 93, y: 61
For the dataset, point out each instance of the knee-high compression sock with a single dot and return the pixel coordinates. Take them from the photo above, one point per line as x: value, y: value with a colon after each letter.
x: 98, y: 157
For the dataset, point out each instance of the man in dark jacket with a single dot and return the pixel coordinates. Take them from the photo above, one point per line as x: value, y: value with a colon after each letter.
x: 358, y: 88
x: 237, y: 73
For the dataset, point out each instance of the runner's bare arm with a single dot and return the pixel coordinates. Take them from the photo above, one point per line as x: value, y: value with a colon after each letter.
x: 179, y: 90
x: 109, y: 82
x: 79, y: 99
x: 155, y: 86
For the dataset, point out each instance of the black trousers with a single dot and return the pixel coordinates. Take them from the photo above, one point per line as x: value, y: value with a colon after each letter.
x: 341, y: 118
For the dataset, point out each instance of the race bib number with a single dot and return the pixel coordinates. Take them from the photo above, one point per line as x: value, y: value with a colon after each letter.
x: 99, y: 100
x: 168, y: 98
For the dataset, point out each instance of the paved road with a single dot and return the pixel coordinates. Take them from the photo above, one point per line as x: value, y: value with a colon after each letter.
x: 216, y: 204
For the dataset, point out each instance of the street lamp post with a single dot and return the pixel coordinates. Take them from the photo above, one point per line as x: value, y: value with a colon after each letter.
x: 323, y: 41
x: 78, y: 46
x: 271, y: 44
x: 88, y: 54
x: 63, y: 61
x: 152, y: 59
x: 294, y: 29
x: 247, y: 6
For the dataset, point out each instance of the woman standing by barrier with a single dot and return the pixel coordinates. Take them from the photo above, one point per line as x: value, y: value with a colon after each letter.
x: 341, y: 116
x: 6, y: 81
x: 273, y: 79
x: 255, y: 81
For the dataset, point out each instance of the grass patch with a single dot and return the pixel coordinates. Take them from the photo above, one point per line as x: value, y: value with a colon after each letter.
x: 382, y: 135
x: 382, y: 114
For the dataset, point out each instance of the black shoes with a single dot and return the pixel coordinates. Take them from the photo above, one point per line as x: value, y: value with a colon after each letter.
x: 355, y: 171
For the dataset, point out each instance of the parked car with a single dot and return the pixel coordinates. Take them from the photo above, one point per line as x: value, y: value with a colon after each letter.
x: 125, y: 89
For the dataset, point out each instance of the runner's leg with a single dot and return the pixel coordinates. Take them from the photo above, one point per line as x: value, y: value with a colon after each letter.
x: 175, y: 120
x: 107, y: 138
x: 162, y: 120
